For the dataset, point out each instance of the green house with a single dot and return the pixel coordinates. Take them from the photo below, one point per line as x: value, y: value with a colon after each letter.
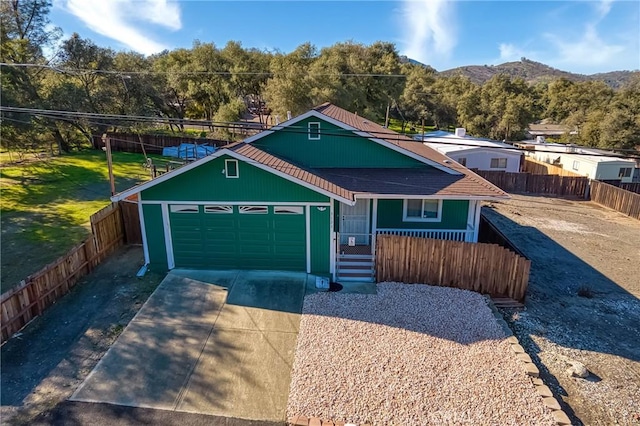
x: 311, y: 194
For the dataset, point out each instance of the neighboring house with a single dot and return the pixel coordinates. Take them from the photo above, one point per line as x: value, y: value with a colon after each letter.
x: 549, y: 130
x: 474, y: 153
x: 590, y: 162
x: 311, y: 194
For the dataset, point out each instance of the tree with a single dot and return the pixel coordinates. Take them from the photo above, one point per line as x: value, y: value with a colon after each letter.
x: 290, y: 86
x: 24, y: 31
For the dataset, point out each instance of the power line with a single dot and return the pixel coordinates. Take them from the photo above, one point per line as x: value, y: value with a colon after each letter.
x: 293, y: 129
x: 65, y: 70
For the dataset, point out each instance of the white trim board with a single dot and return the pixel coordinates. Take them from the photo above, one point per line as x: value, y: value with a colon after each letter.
x: 433, y: 197
x: 362, y: 133
x: 166, y: 222
x: 238, y: 203
x: 217, y: 154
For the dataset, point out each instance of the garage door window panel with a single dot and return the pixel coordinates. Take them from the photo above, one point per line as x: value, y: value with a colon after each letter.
x: 254, y: 209
x: 184, y: 208
x: 218, y: 209
x: 288, y: 210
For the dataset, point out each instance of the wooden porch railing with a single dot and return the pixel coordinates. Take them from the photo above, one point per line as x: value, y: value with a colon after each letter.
x: 437, y: 234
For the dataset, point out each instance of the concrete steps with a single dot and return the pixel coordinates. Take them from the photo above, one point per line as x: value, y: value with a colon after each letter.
x: 355, y: 267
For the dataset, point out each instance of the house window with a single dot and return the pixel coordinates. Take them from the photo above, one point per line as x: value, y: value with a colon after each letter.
x: 218, y: 209
x: 422, y: 211
x: 288, y: 210
x: 314, y: 131
x: 498, y: 163
x: 462, y: 161
x: 231, y: 168
x: 183, y: 208
x: 254, y: 209
x: 624, y: 172
x: 575, y: 165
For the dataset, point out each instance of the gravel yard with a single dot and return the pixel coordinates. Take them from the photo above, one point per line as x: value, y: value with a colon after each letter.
x: 411, y: 354
x: 582, y: 303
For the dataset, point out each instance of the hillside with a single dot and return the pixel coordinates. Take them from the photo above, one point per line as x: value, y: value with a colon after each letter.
x: 536, y: 72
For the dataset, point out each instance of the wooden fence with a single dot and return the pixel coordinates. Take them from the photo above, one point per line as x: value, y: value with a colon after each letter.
x: 539, y: 168
x: 538, y: 184
x: 631, y: 187
x: 153, y: 144
x: 616, y: 198
x: 485, y: 268
x: 38, y: 291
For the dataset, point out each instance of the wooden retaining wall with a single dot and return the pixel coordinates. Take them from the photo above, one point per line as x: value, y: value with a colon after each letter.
x: 624, y: 201
x: 561, y: 186
x: 37, y: 292
x: 485, y: 268
x: 535, y: 167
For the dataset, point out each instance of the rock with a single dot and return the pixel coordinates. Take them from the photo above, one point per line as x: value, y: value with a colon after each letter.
x: 578, y: 369
x: 561, y: 418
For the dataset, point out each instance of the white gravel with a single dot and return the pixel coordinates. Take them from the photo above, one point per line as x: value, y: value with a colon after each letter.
x: 410, y: 355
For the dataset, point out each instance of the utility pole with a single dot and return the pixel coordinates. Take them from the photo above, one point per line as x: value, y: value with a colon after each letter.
x: 423, y: 128
x: 386, y: 118
x: 107, y: 144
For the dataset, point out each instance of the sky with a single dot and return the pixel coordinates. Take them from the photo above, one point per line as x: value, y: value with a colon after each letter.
x: 582, y: 36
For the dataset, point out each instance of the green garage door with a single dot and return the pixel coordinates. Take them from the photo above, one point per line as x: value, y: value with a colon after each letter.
x: 238, y: 237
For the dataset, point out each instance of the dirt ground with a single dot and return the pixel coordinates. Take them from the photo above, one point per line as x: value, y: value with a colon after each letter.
x: 582, y: 303
x: 47, y: 361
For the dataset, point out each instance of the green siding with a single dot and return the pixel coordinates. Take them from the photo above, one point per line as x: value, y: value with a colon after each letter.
x: 336, y: 148
x: 454, y: 216
x: 208, y: 183
x: 154, y: 231
x: 320, y: 228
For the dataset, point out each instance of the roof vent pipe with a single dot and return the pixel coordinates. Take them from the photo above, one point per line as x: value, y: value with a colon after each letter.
x: 460, y: 132
x: 288, y: 115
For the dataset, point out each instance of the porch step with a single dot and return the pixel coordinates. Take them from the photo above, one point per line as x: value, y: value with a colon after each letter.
x: 355, y: 267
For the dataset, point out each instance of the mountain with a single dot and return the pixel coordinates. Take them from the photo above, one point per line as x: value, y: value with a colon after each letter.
x: 536, y: 72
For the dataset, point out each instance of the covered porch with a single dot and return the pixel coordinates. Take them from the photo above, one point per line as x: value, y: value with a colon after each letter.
x: 356, y: 227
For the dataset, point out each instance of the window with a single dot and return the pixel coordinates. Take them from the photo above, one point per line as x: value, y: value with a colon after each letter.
x: 231, y: 168
x: 254, y: 209
x: 422, y: 211
x: 575, y: 165
x: 218, y: 209
x: 498, y: 163
x: 288, y: 210
x: 314, y: 131
x: 183, y: 208
x: 624, y: 172
x: 462, y: 161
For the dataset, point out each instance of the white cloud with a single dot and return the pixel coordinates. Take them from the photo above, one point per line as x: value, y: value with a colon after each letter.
x: 121, y: 20
x: 429, y: 29
x: 587, y: 51
x: 510, y: 52
x: 603, y: 7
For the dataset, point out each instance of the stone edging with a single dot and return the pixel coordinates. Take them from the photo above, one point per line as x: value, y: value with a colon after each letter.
x: 531, y: 370
x: 315, y: 421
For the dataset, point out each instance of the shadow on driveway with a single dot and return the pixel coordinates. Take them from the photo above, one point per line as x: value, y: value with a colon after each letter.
x: 210, y: 342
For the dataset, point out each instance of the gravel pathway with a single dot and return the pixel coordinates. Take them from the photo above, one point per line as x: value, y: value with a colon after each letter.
x: 412, y: 354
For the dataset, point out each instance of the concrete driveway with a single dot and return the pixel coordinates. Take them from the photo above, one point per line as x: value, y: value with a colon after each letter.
x: 209, y: 342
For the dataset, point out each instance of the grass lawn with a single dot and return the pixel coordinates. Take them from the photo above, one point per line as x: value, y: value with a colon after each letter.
x: 45, y: 205
x: 396, y: 126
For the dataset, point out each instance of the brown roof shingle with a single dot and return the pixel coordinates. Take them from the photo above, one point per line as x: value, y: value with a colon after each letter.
x: 467, y: 184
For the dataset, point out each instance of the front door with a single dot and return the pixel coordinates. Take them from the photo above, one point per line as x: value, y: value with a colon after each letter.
x: 354, y: 222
